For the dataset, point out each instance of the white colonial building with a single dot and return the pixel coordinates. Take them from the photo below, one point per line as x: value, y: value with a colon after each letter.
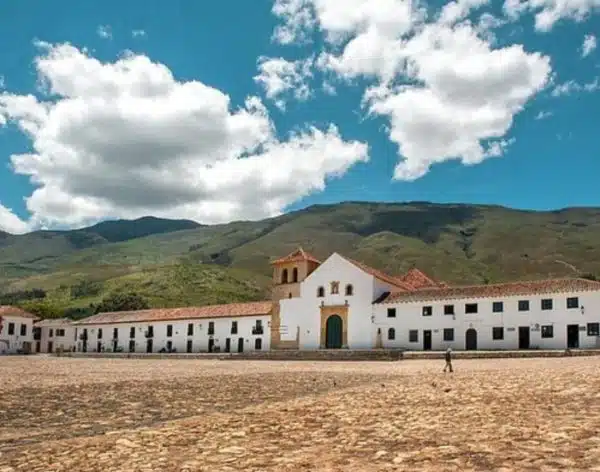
x: 234, y: 327
x: 16, y: 330
x: 340, y: 304
x: 54, y: 335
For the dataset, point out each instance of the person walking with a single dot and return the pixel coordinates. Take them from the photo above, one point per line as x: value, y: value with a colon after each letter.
x: 448, y: 360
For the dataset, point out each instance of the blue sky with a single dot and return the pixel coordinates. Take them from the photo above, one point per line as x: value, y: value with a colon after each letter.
x: 543, y: 113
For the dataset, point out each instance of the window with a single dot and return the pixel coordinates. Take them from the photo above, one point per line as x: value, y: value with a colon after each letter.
x: 234, y: 327
x: 189, y: 345
x: 150, y: 332
x: 60, y: 333
x: 284, y: 276
x: 116, y: 333
x: 546, y: 304
x: 258, y: 344
x: 190, y: 329
x: 448, y: 309
x: 99, y: 333
x: 50, y: 332
x: 427, y: 310
x: 23, y: 330
x: 497, y: 307
x: 391, y: 334
x: 391, y: 313
x: 132, y: 332
x: 11, y: 329
x: 132, y: 345
x: 211, y: 327
x: 448, y: 334
x: 258, y: 328
x: 547, y: 331
x: 593, y: 329
x: 523, y: 305
x: 572, y: 302
x: 471, y: 308
x: 335, y: 288
x: 413, y: 336
x: 498, y: 333
x: 349, y: 290
x: 320, y: 292
x: 169, y: 331
x: 295, y: 275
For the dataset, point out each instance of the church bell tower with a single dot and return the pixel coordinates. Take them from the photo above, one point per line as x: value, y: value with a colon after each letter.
x: 290, y: 271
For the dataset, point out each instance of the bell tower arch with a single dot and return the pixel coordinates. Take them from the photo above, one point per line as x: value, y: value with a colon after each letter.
x: 290, y: 271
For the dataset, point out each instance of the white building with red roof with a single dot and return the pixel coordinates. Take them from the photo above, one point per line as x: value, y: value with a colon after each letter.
x: 341, y: 303
x: 16, y: 330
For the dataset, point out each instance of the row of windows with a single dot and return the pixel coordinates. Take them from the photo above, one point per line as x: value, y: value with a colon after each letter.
x: 497, y: 307
x: 335, y: 290
x: 547, y: 331
x: 22, y: 330
x: 257, y: 329
x: 189, y: 345
x: 285, y: 276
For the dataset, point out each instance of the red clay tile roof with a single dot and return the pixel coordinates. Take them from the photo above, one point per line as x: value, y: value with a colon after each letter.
x: 495, y: 290
x: 185, y: 313
x: 8, y: 310
x: 298, y: 255
x: 52, y: 322
x: 417, y: 279
x: 380, y: 275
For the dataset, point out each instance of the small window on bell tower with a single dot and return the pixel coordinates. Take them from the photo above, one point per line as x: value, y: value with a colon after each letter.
x: 295, y: 275
x: 284, y: 276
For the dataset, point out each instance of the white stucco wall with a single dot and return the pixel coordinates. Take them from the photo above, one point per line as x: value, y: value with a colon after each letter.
x: 179, y: 338
x: 51, y: 339
x: 12, y: 343
x: 409, y: 316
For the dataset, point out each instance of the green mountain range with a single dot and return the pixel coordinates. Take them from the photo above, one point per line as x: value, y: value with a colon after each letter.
x: 179, y: 262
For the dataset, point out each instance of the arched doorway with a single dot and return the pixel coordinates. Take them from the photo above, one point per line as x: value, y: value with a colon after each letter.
x: 333, y: 332
x: 471, y: 340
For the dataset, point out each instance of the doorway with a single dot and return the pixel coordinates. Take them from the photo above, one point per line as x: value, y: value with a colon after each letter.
x: 189, y: 345
x: 333, y: 332
x: 51, y: 346
x: 524, y: 338
x: 211, y: 345
x: 573, y: 336
x: 240, y: 344
x: 149, y: 345
x: 228, y: 345
x: 38, y: 346
x: 471, y: 340
x: 427, y: 340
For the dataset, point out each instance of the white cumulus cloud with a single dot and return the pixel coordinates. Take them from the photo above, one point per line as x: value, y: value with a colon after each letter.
x: 126, y: 139
x: 446, y: 91
x: 550, y: 12
x: 279, y: 77
x: 588, y: 46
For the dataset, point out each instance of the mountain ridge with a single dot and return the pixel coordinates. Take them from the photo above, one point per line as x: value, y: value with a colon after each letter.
x: 457, y: 243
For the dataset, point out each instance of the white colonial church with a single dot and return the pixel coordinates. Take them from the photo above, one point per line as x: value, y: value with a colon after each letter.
x: 343, y: 304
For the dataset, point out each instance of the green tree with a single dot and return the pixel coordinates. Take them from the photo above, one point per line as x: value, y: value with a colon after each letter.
x: 121, y: 301
x: 42, y: 308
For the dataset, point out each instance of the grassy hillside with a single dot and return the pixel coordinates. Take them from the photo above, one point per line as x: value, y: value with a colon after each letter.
x: 178, y: 263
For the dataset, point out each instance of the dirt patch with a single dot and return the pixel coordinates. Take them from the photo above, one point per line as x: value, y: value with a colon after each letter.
x: 197, y: 415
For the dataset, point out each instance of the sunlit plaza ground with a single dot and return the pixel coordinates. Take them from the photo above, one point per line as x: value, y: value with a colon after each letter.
x: 60, y: 414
